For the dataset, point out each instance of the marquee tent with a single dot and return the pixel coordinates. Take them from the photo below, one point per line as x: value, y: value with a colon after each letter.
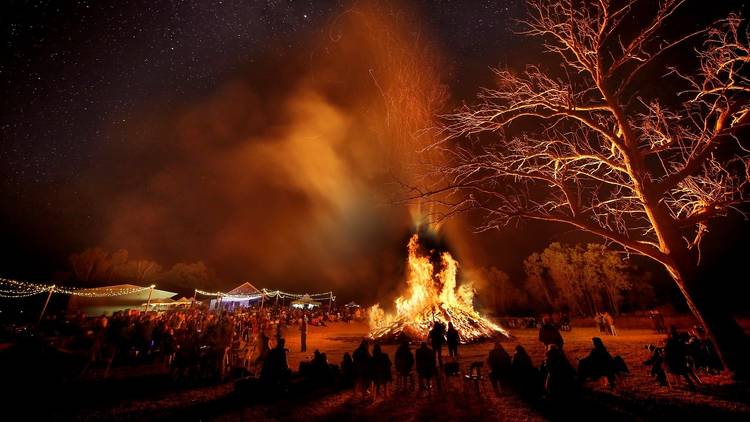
x: 95, y: 306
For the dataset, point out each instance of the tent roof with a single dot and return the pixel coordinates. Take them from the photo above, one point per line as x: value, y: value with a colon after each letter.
x: 244, y: 289
x: 156, y: 295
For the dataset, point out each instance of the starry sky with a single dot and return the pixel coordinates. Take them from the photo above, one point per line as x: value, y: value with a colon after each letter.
x: 92, y: 92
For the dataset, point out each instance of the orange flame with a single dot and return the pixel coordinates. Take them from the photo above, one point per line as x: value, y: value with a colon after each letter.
x: 432, y: 297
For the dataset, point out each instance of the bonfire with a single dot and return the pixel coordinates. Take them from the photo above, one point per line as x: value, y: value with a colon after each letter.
x: 432, y: 295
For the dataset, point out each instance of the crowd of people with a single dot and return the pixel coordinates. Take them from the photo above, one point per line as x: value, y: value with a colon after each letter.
x: 198, y: 344
x: 682, y: 356
x: 194, y: 343
x: 369, y: 371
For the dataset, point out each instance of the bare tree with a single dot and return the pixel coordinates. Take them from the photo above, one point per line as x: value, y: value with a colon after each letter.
x: 595, y: 147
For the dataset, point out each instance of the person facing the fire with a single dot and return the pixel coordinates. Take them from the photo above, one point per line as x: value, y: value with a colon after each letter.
x: 380, y: 370
x: 452, y: 340
x: 437, y: 338
x: 499, y: 362
x: 404, y: 360
x: 425, y: 359
x: 361, y: 359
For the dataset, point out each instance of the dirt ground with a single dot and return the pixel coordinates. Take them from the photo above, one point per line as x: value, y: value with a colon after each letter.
x: 636, y: 398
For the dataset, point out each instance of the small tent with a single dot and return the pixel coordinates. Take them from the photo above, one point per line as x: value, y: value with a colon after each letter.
x: 109, y: 301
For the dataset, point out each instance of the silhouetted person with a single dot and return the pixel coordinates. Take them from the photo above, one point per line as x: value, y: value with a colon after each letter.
x: 347, y: 370
x: 558, y: 374
x: 437, y: 338
x: 599, y: 363
x: 380, y: 370
x: 524, y: 375
x: 549, y: 334
x: 425, y: 360
x: 275, y: 373
x: 498, y: 361
x: 656, y: 362
x: 303, y: 334
x: 676, y: 358
x: 361, y: 359
x: 658, y: 320
x: 404, y: 360
x: 610, y: 323
x: 452, y: 339
x: 600, y: 322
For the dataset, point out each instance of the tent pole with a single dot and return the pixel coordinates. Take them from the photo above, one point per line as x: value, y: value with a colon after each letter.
x: 148, y: 302
x: 46, y: 302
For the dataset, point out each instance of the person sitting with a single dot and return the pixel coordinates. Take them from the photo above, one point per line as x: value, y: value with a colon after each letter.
x: 599, y: 363
x: 523, y: 375
x: 381, y: 370
x: 404, y: 360
x: 275, y: 373
x: 425, y: 360
x: 549, y: 334
x: 656, y: 361
x: 676, y: 358
x: 498, y: 361
x: 558, y: 374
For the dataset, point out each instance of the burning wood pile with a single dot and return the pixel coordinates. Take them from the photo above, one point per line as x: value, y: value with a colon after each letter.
x: 432, y: 295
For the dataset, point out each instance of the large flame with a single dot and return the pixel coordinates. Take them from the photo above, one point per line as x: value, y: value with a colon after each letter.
x: 431, y: 297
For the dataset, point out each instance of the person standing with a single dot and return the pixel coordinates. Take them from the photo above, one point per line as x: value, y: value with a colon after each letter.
x: 549, y: 334
x: 452, y: 338
x: 610, y: 324
x: 404, y: 360
x: 303, y: 334
x: 425, y: 359
x: 437, y: 338
x: 361, y: 360
x: 380, y: 365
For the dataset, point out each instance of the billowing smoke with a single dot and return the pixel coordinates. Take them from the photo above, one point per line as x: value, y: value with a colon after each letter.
x: 285, y: 175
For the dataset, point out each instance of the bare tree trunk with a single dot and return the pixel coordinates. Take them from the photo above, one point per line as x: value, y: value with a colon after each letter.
x: 729, y: 339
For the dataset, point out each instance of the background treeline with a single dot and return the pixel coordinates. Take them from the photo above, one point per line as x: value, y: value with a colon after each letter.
x: 582, y: 279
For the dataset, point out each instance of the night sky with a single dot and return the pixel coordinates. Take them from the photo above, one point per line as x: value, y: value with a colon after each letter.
x: 122, y: 122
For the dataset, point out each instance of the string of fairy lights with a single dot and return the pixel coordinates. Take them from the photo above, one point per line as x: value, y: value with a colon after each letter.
x: 22, y: 289
x: 267, y: 293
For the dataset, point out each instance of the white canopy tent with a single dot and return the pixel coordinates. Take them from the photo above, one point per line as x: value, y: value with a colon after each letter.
x: 111, y: 302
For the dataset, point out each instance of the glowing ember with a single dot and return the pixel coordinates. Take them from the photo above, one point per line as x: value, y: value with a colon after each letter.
x: 432, y: 296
